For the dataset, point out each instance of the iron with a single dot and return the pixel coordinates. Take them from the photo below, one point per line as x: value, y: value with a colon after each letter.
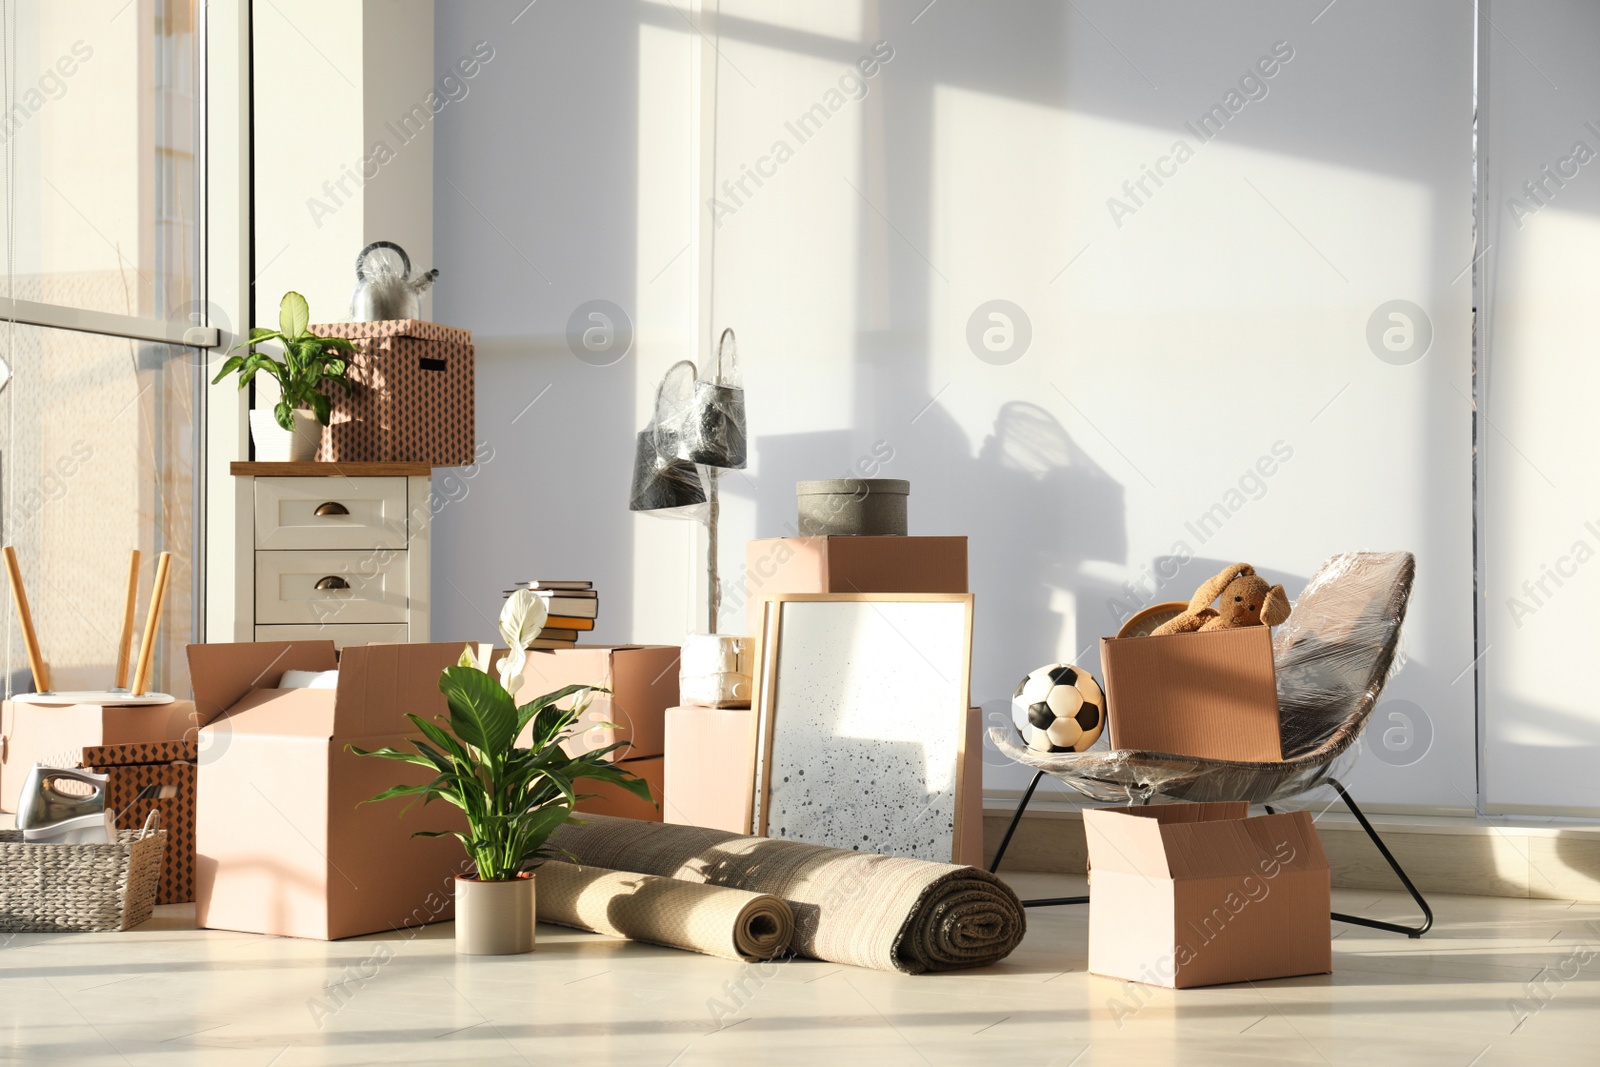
x: 45, y: 813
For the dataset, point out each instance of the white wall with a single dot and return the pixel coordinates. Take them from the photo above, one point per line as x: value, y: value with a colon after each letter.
x: 1225, y: 317
x: 334, y: 168
x: 567, y: 175
x: 1215, y: 322
x: 1541, y: 507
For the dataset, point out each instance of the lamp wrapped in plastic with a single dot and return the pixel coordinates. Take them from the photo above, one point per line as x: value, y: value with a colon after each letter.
x: 711, y: 429
x: 662, y: 481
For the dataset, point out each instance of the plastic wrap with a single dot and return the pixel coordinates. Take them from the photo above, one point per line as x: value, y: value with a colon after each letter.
x: 707, y: 425
x: 661, y: 480
x: 1333, y: 657
x: 714, y: 671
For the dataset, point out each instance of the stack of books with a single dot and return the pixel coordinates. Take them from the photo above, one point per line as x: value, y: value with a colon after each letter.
x: 573, y: 607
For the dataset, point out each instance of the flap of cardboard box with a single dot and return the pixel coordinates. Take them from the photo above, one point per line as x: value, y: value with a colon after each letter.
x: 380, y: 684
x: 1168, y: 841
x: 277, y: 713
x: 223, y: 673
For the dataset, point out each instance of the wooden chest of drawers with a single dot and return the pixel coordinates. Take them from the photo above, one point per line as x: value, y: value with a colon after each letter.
x: 335, y: 551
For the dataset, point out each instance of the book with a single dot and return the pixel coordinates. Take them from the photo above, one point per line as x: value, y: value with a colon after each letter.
x: 558, y: 633
x: 567, y: 622
x: 576, y: 594
x: 568, y: 606
x: 545, y: 644
x: 544, y: 583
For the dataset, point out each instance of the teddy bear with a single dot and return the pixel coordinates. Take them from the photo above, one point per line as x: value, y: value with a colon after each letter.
x: 1246, y: 600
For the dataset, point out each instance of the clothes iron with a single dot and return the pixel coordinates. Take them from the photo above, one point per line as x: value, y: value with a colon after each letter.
x: 46, y: 814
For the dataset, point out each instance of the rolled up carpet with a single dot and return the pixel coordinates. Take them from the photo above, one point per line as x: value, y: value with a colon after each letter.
x: 715, y: 920
x: 885, y: 912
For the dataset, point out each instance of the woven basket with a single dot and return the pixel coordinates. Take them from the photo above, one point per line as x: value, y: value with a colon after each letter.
x: 48, y: 888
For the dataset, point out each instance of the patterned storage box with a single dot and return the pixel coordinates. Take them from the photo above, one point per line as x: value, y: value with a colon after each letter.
x: 131, y: 768
x: 413, y: 399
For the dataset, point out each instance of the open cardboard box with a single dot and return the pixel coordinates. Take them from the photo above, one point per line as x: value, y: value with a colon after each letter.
x: 643, y: 680
x: 57, y: 735
x: 1200, y: 894
x: 284, y: 843
x: 1213, y: 695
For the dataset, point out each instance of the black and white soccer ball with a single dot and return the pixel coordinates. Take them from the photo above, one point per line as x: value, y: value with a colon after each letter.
x: 1060, y: 708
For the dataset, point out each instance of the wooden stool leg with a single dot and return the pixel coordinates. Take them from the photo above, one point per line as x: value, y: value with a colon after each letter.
x: 125, y: 643
x: 152, y: 625
x: 30, y: 639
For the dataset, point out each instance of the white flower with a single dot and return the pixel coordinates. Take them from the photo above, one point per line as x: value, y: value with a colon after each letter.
x: 520, y: 622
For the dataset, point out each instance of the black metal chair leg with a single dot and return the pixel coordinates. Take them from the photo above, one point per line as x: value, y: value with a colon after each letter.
x: 1378, y: 924
x: 1005, y: 842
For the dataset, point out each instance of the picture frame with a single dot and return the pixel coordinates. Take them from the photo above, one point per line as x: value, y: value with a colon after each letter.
x: 869, y: 694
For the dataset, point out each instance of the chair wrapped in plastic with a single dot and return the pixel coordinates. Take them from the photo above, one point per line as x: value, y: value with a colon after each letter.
x: 1333, y: 657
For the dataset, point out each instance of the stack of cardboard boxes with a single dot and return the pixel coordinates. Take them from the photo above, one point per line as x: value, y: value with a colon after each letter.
x: 711, y: 752
x: 152, y: 744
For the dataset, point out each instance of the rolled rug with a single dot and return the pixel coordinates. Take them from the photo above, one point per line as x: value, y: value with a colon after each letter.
x: 891, y: 913
x: 694, y: 916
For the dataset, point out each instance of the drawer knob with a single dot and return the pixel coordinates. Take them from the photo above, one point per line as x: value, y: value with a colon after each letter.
x: 332, y: 581
x: 331, y: 507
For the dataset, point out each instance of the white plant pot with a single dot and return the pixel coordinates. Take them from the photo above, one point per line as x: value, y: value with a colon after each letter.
x: 274, y: 444
x: 495, y: 918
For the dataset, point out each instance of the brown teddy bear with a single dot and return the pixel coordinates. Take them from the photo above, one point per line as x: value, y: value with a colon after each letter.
x: 1247, y: 600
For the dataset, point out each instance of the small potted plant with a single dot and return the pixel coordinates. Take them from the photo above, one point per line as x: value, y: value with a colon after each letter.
x: 293, y: 429
x: 514, y: 798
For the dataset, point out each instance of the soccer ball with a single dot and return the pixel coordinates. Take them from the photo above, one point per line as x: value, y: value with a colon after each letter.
x: 1061, y: 708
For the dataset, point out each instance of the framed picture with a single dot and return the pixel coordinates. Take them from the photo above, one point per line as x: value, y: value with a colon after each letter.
x: 862, y: 702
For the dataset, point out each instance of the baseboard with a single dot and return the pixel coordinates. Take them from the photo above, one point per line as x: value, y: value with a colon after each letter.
x: 1441, y: 854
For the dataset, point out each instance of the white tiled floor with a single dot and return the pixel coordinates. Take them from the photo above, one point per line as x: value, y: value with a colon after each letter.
x: 169, y: 994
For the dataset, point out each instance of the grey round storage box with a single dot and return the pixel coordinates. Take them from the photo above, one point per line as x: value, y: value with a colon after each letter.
x: 854, y: 507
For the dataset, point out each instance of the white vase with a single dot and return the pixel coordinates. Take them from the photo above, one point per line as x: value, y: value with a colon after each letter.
x: 274, y: 444
x: 495, y: 918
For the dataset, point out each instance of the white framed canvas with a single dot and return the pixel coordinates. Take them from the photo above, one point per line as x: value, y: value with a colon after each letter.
x: 863, y: 707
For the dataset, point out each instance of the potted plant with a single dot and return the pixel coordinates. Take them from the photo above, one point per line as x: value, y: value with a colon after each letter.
x: 514, y: 798
x: 293, y: 429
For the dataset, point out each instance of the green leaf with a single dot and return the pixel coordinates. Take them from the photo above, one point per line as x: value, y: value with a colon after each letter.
x: 229, y: 365
x: 401, y: 791
x: 293, y: 315
x: 284, y: 414
x: 482, y: 713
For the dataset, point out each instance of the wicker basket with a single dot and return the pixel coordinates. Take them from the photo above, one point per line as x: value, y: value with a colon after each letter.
x: 47, y: 888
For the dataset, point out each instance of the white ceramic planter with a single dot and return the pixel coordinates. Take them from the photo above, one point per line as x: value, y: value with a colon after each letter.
x: 274, y: 444
x: 495, y: 918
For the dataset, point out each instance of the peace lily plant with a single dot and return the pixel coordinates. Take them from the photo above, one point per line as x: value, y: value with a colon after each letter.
x: 514, y: 798
x: 308, y: 361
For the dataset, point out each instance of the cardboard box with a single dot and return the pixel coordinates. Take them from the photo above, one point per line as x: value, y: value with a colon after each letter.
x: 412, y: 398
x: 1213, y: 694
x: 710, y: 767
x: 643, y: 680
x: 609, y: 799
x: 133, y: 767
x: 57, y: 736
x: 285, y: 843
x: 851, y: 565
x: 1187, y: 895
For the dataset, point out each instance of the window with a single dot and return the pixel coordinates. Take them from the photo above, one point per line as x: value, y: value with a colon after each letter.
x: 103, y: 277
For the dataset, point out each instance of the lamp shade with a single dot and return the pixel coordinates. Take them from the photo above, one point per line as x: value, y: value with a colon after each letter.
x: 663, y: 483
